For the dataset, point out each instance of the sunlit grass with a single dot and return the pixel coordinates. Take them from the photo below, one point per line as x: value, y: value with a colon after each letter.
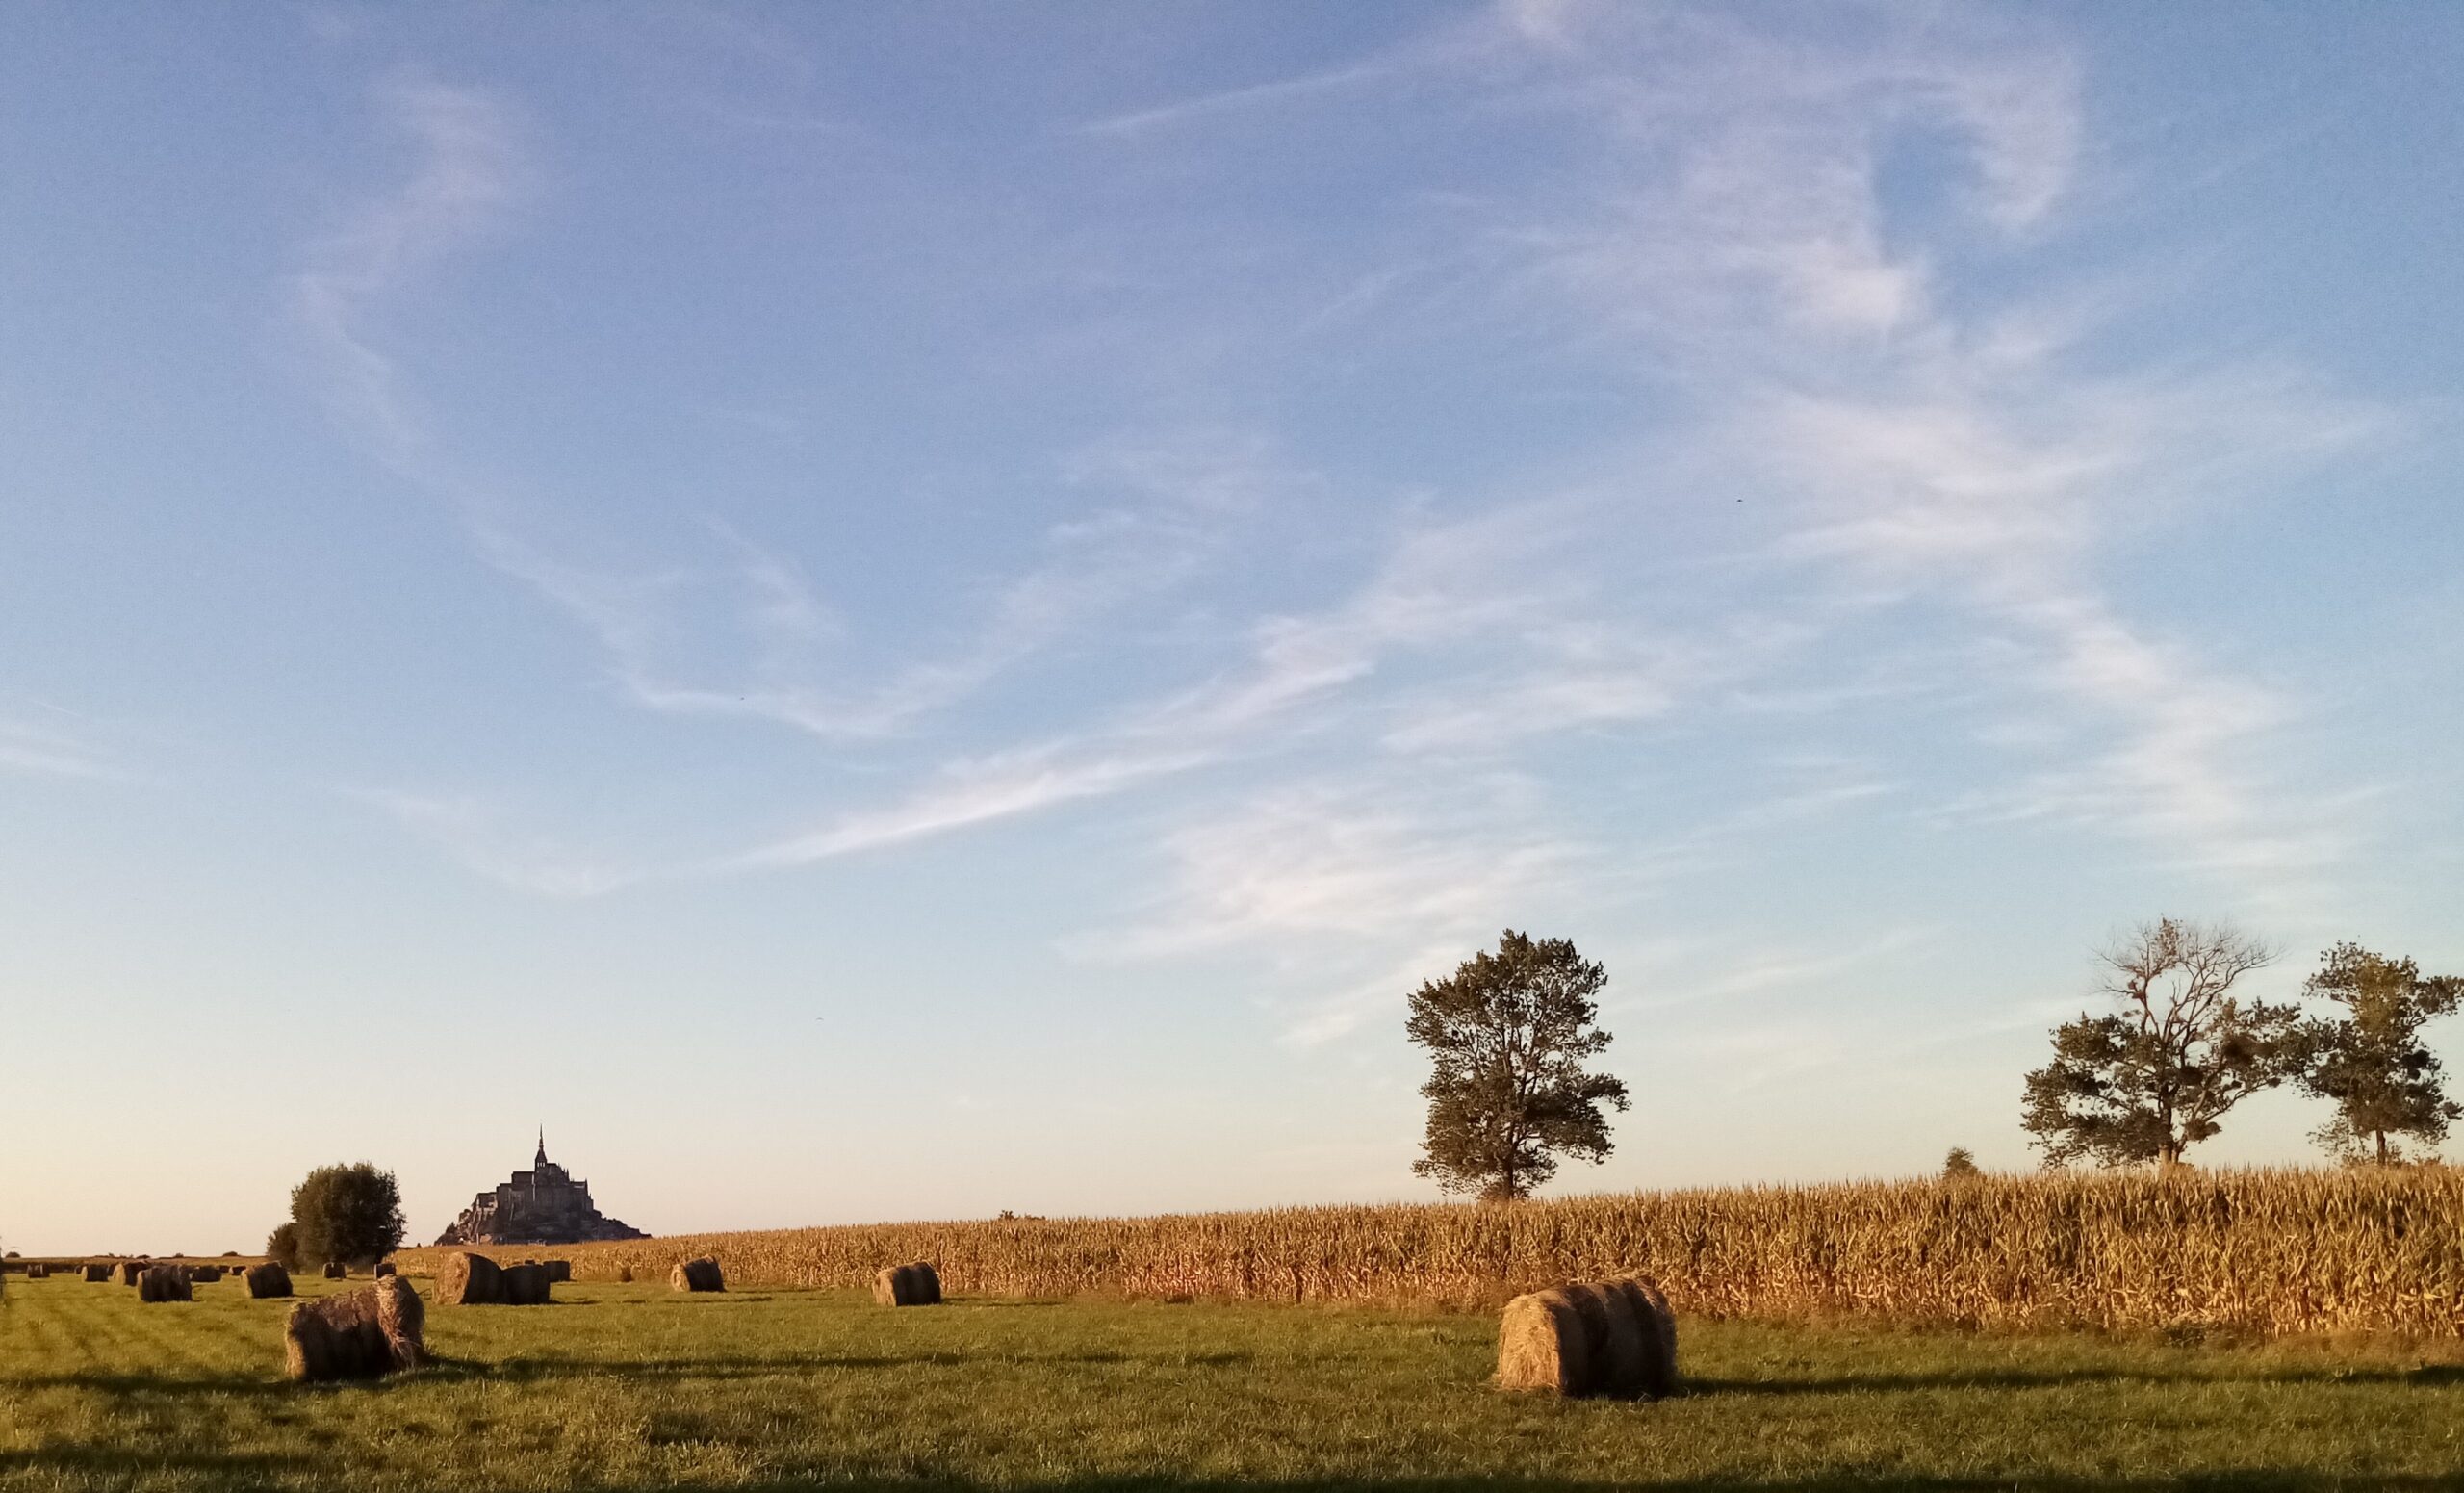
x: 637, y: 1387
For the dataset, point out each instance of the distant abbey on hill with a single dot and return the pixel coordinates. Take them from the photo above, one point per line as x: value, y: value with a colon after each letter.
x: 542, y: 1205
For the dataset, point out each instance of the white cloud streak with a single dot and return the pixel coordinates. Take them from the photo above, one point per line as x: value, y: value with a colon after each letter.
x: 1956, y: 457
x: 963, y: 797
x: 474, y: 835
x: 1720, y: 224
x: 468, y: 170
x: 43, y: 752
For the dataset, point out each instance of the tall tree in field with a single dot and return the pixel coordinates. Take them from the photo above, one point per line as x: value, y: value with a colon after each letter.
x: 2369, y: 1062
x: 353, y: 1214
x: 1508, y: 1034
x: 2153, y: 1079
x: 282, y: 1246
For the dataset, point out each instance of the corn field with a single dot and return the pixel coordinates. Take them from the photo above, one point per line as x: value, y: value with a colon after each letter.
x: 2272, y: 1251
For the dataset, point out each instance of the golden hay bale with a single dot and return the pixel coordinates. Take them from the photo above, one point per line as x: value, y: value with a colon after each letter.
x: 130, y: 1270
x: 356, y: 1334
x: 1659, y: 1333
x: 335, y: 1269
x: 205, y: 1274
x: 163, y: 1283
x: 266, y: 1283
x: 907, y: 1285
x: 624, y: 1274
x: 1588, y: 1339
x: 384, y: 1268
x: 1616, y: 1333
x: 701, y: 1274
x: 524, y: 1285
x: 1541, y: 1345
x: 98, y: 1272
x: 37, y: 1273
x: 558, y: 1269
x: 466, y: 1279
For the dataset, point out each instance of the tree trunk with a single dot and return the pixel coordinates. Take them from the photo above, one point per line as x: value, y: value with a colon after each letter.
x: 2382, y: 1145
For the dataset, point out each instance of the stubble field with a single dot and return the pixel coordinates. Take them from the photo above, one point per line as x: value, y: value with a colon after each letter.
x: 633, y: 1387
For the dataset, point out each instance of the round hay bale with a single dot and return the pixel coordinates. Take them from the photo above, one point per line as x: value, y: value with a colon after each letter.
x: 1659, y: 1335
x: 130, y: 1270
x: 1541, y: 1345
x: 701, y: 1274
x: 403, y: 1320
x: 1612, y: 1339
x: 524, y: 1285
x: 466, y: 1279
x: 98, y: 1272
x: 1623, y: 1342
x: 312, y: 1348
x: 37, y: 1272
x: 356, y: 1334
x: 558, y: 1271
x: 907, y: 1285
x: 163, y: 1283
x: 335, y: 1269
x: 205, y: 1274
x: 384, y: 1268
x: 266, y: 1283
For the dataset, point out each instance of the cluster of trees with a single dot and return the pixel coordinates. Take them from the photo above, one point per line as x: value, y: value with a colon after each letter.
x: 2151, y: 1079
x: 1509, y: 1035
x: 347, y: 1214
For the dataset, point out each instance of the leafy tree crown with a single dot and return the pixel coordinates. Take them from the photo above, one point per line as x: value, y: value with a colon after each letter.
x: 351, y: 1213
x: 2369, y: 1062
x: 282, y: 1246
x: 2156, y: 1077
x: 1507, y: 1036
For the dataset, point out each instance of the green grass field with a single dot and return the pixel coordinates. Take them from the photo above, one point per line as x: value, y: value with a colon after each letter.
x: 623, y: 1387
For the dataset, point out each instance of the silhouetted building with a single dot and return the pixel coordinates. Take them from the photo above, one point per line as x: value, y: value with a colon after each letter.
x: 542, y: 1205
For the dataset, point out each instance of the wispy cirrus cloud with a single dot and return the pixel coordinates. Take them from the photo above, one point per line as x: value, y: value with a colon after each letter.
x: 748, y: 635
x: 1968, y: 457
x: 1921, y: 446
x: 1767, y: 971
x: 1278, y: 91
x: 1358, y: 760
x: 1328, y: 883
x: 44, y: 751
x: 478, y: 837
x: 965, y: 794
x: 469, y: 167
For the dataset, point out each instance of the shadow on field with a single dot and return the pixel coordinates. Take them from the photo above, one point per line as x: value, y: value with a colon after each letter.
x: 520, y: 1371
x: 256, y: 1470
x: 2253, y: 1481
x: 154, y: 1383
x: 119, y: 1463
x: 527, y: 1371
x: 270, y: 1385
x: 2428, y: 1377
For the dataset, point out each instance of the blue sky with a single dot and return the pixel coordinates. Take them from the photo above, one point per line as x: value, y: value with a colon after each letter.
x: 906, y: 612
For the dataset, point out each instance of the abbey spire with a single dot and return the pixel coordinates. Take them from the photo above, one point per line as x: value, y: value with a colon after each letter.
x: 546, y: 1204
